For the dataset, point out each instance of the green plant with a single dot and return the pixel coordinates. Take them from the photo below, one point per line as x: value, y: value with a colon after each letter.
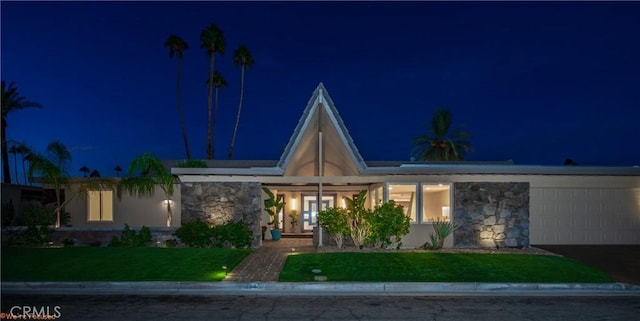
x: 131, y: 237
x: 195, y: 234
x: 442, y: 229
x: 388, y: 225
x: 357, y: 214
x: 192, y: 163
x: 273, y: 205
x: 7, y: 213
x: 68, y: 242
x: 334, y: 220
x: 33, y: 214
x: 35, y: 236
x: 293, y: 219
x: 232, y: 234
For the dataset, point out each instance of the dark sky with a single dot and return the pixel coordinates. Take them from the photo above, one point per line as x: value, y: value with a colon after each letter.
x: 535, y: 82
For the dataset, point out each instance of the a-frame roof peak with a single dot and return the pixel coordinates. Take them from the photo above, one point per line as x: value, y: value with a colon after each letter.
x: 321, y: 107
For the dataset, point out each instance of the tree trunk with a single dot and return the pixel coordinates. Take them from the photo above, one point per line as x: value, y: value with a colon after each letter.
x: 169, y: 216
x: 210, y: 149
x: 15, y: 166
x: 181, y: 111
x: 6, y: 173
x: 235, y: 128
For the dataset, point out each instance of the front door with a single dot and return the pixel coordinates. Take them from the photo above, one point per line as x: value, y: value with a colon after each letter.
x: 310, y: 210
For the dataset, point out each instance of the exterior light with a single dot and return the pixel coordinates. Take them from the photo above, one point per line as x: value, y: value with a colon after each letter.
x: 167, y: 202
x: 293, y: 204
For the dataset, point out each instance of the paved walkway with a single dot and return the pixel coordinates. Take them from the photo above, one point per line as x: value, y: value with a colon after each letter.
x: 266, y: 262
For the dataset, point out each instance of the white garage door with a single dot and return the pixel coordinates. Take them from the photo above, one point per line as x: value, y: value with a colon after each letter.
x: 584, y: 216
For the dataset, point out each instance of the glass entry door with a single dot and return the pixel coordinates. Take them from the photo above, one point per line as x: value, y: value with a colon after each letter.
x: 310, y: 209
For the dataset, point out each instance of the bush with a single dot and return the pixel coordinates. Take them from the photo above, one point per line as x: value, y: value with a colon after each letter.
x: 232, y: 234
x: 192, y: 163
x: 335, y: 221
x: 7, y: 213
x: 34, y: 214
x: 130, y: 237
x: 357, y: 215
x: 442, y: 229
x: 195, y: 234
x: 35, y: 236
x: 388, y: 225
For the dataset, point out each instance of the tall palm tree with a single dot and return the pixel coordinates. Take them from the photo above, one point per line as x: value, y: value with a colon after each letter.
x: 118, y: 169
x: 85, y: 170
x: 241, y: 57
x: 14, y: 150
x: 24, y: 152
x: 212, y: 40
x: 442, y: 142
x: 11, y: 101
x: 176, y: 46
x: 144, y: 174
x: 218, y: 82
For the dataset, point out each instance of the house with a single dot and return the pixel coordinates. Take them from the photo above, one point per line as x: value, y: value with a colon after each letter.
x: 495, y: 203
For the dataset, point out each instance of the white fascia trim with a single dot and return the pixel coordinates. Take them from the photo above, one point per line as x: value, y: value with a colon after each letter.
x: 428, y: 169
x: 252, y: 171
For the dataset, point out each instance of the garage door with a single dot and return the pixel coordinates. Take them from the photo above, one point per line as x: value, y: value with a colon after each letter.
x: 584, y: 216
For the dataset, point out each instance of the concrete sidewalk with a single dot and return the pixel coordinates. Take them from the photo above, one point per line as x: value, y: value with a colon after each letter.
x: 315, y: 288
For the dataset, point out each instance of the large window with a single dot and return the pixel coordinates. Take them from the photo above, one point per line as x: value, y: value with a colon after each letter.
x: 100, y: 206
x: 435, y: 202
x: 405, y: 195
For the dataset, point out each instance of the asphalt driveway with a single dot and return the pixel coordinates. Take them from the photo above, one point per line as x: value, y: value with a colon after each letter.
x: 622, y: 262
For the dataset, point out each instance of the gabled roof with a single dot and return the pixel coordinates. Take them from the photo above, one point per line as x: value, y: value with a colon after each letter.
x: 321, y: 107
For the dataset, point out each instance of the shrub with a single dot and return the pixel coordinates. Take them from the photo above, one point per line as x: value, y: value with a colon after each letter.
x: 442, y: 229
x: 388, y: 224
x: 335, y: 221
x: 192, y: 163
x: 130, y: 237
x: 232, y: 234
x: 34, y: 214
x: 195, y: 234
x: 67, y: 242
x: 357, y: 215
x: 35, y: 236
x: 7, y: 213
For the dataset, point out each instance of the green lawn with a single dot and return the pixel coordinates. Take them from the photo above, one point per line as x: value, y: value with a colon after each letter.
x: 440, y: 267
x: 118, y: 264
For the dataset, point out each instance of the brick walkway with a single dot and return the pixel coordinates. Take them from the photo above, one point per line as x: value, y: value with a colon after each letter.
x: 266, y: 262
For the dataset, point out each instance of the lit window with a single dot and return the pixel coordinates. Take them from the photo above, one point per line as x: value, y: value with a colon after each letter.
x: 435, y: 202
x: 405, y: 195
x: 100, y: 205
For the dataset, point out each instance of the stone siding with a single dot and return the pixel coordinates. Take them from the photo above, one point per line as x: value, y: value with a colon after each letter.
x: 217, y: 203
x: 491, y: 214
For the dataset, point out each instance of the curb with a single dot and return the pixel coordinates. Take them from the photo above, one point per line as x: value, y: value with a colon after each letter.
x: 316, y: 288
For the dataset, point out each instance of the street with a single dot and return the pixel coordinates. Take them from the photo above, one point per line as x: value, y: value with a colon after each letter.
x: 256, y: 307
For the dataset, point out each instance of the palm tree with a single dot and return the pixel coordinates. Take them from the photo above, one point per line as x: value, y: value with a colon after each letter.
x: 144, y: 174
x: 241, y: 57
x: 24, y: 152
x: 14, y: 150
x: 218, y: 82
x: 11, y: 101
x: 53, y: 169
x: 176, y: 45
x: 211, y: 39
x: 118, y: 169
x: 85, y: 170
x: 442, y: 143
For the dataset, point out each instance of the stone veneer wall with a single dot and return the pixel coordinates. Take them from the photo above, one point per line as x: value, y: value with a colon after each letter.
x: 217, y: 203
x: 491, y: 214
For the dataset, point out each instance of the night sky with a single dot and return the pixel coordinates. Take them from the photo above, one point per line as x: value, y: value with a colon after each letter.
x: 534, y: 82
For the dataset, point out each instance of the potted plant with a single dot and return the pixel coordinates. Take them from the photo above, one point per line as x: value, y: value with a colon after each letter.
x: 293, y: 220
x: 273, y: 205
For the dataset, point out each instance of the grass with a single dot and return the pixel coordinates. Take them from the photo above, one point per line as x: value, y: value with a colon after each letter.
x: 440, y: 267
x: 118, y: 264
